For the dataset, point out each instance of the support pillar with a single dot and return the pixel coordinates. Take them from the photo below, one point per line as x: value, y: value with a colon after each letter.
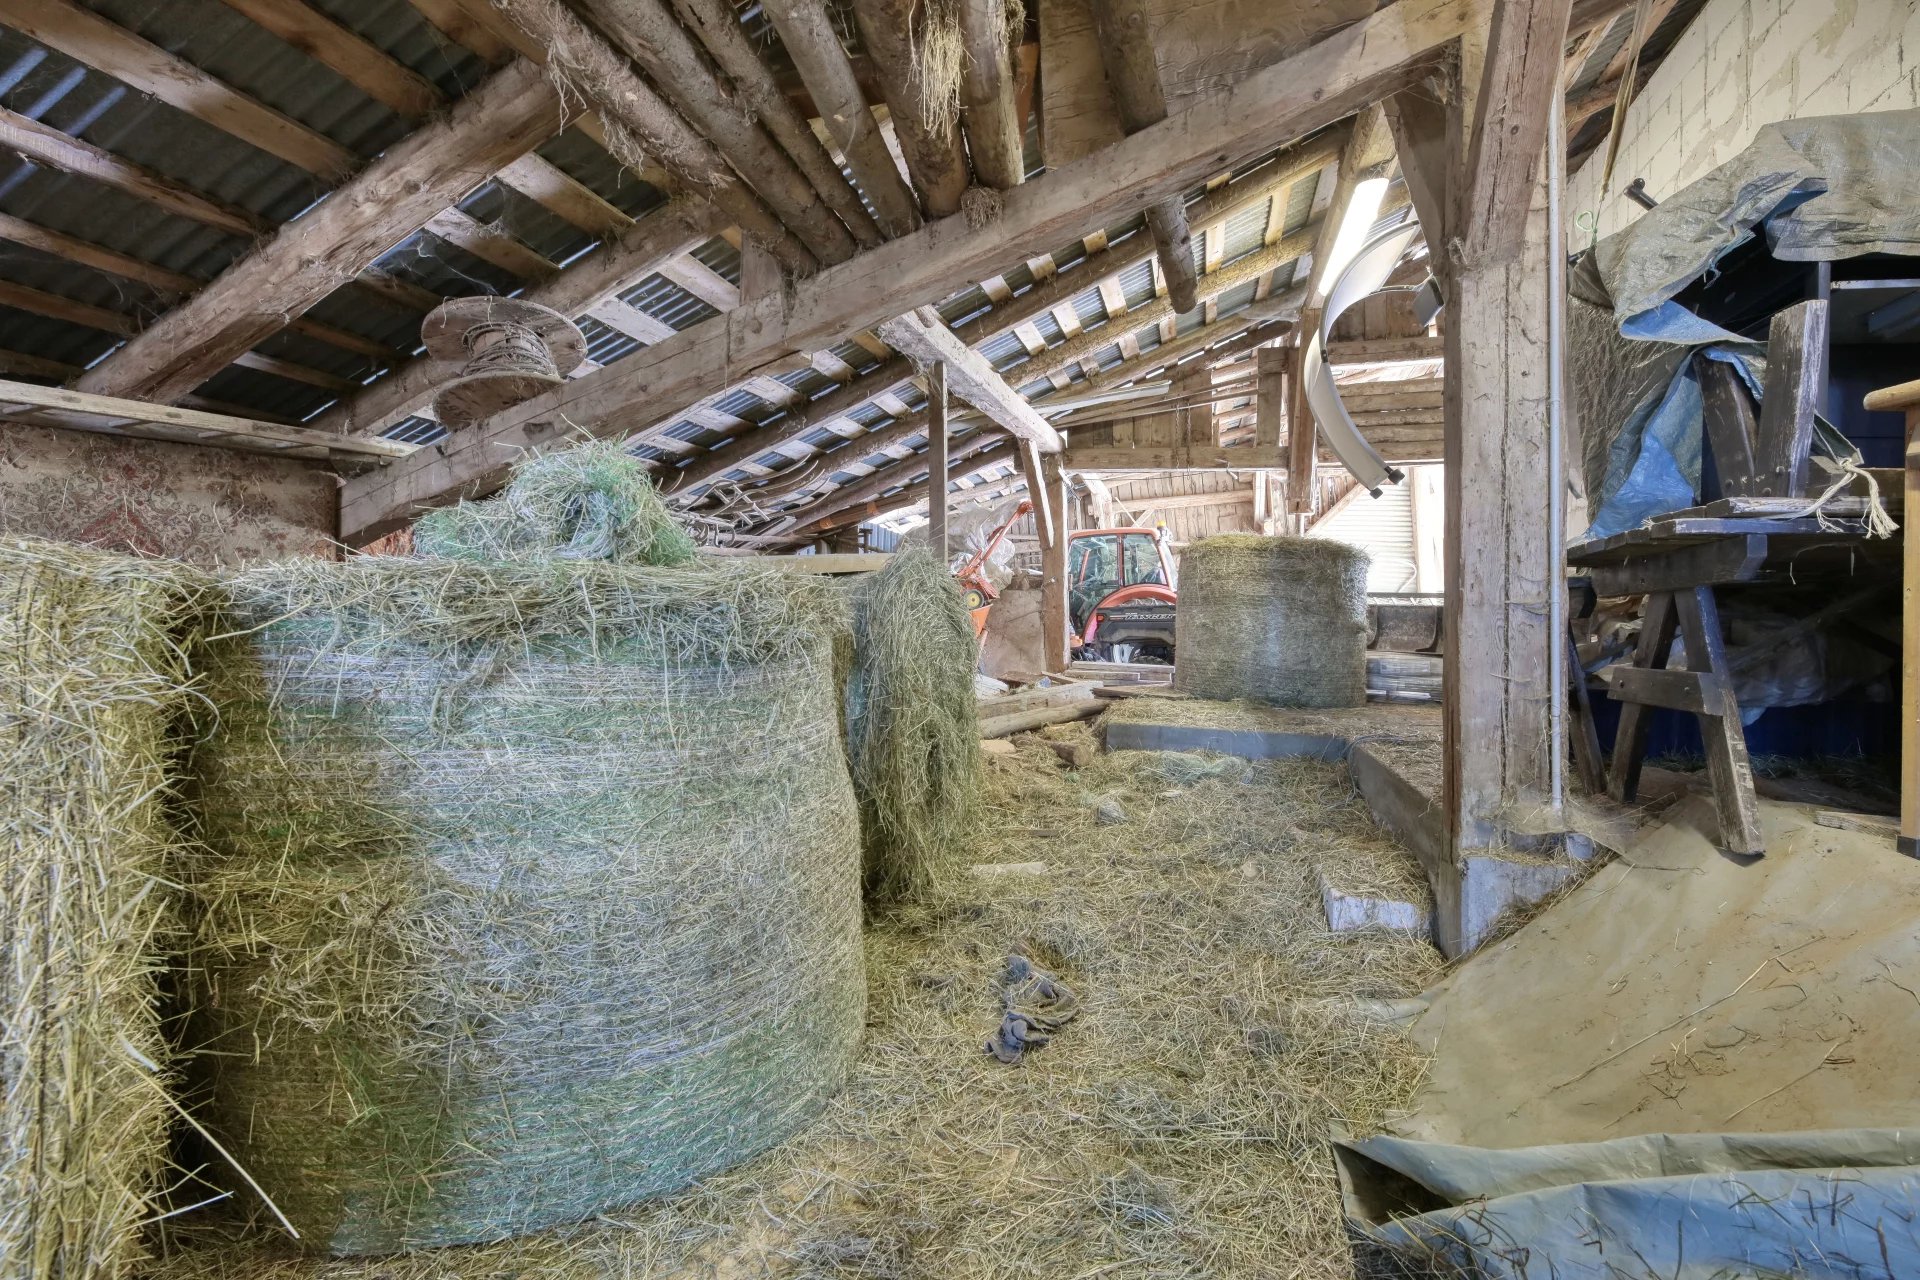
x: 937, y: 499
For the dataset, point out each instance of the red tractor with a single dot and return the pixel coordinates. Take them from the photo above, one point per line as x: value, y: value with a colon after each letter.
x: 1120, y: 591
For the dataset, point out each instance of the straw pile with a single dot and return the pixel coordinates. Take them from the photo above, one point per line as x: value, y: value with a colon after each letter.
x: 913, y: 728
x: 531, y: 888
x: 1275, y: 620
x: 1177, y: 1127
x: 90, y: 678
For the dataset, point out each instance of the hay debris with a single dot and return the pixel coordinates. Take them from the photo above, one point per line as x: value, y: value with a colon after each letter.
x: 91, y: 676
x: 530, y: 889
x: 1177, y: 1128
x: 591, y: 502
x: 1277, y: 620
x: 940, y: 62
x: 913, y: 726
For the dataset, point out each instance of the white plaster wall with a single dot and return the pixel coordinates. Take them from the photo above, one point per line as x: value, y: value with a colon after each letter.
x: 1743, y: 64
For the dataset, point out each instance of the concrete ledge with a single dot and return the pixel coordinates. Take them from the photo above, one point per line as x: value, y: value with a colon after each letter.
x: 1348, y: 912
x: 1469, y: 894
x: 1249, y: 744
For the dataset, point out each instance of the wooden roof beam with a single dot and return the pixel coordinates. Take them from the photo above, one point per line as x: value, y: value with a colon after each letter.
x: 995, y: 139
x: 639, y: 121
x: 924, y: 338
x: 1368, y: 156
x: 929, y: 133
x: 334, y: 241
x: 1133, y: 77
x: 646, y: 32
x: 717, y: 26
x: 807, y: 32
x: 1221, y: 129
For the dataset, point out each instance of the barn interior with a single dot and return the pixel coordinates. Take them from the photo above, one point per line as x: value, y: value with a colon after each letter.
x: 959, y: 638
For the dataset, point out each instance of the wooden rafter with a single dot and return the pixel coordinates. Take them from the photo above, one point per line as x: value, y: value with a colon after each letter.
x: 334, y: 241
x: 717, y: 25
x: 646, y: 32
x: 807, y: 32
x: 929, y: 137
x: 994, y: 136
x: 1133, y: 77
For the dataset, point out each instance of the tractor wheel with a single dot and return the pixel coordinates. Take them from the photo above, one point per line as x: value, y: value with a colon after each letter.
x: 975, y: 598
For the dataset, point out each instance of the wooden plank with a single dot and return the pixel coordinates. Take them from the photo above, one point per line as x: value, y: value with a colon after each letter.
x: 717, y: 26
x: 1728, y: 411
x: 937, y: 447
x: 1517, y: 86
x: 1385, y: 351
x: 96, y: 42
x: 452, y: 20
x: 99, y: 257
x: 559, y: 193
x: 827, y: 563
x: 1273, y: 369
x: 635, y: 323
x: 1796, y: 382
x: 17, y: 364
x: 1051, y: 504
x: 1657, y: 625
x: 54, y: 307
x: 1133, y: 78
x: 1228, y: 127
x: 1696, y: 693
x: 47, y: 146
x: 489, y: 244
x: 995, y: 139
x: 925, y: 338
x: 356, y: 60
x: 335, y: 240
x: 702, y: 281
x: 807, y: 32
x: 296, y: 372
x: 1718, y: 561
x: 40, y: 404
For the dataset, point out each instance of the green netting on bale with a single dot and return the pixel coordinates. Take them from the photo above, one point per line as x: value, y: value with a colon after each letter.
x: 1275, y: 620
x: 91, y: 678
x: 913, y: 729
x: 591, y: 502
x: 529, y: 889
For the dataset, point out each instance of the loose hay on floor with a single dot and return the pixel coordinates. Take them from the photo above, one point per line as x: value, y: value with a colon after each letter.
x: 1176, y: 1127
x: 91, y: 675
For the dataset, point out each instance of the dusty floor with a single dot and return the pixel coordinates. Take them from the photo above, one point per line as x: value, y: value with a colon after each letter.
x: 1175, y: 1128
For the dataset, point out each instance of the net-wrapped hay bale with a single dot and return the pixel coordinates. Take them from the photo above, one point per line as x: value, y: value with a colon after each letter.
x: 1275, y: 620
x: 530, y: 889
x: 913, y: 728
x: 91, y: 678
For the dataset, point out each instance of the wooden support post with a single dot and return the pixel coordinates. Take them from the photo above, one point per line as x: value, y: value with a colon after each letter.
x: 937, y: 461
x: 1270, y: 364
x: 1796, y: 381
x: 1303, y: 436
x: 1498, y: 682
x: 1728, y: 411
x: 1058, y: 627
x: 1906, y: 397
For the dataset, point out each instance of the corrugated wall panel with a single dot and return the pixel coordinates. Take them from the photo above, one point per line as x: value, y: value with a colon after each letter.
x: 1383, y: 528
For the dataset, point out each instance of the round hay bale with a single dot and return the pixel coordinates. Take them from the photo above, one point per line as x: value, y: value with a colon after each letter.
x: 529, y: 889
x: 91, y: 679
x: 913, y: 724
x: 1275, y: 620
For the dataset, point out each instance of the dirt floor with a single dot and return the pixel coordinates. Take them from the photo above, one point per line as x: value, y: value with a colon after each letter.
x: 1175, y: 1128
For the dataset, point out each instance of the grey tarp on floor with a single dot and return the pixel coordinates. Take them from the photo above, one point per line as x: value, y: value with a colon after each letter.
x: 1820, y: 188
x: 1842, y: 1203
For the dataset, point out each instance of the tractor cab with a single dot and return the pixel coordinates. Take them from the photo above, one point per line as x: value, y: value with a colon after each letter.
x: 1120, y: 595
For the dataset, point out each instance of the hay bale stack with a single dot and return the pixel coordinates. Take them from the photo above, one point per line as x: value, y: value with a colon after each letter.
x: 913, y: 728
x: 91, y: 676
x: 531, y: 889
x: 1274, y: 620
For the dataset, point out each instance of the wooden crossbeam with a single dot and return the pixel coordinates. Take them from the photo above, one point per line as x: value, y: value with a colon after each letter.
x: 994, y: 137
x: 1516, y: 92
x: 924, y: 337
x: 112, y: 415
x: 929, y: 143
